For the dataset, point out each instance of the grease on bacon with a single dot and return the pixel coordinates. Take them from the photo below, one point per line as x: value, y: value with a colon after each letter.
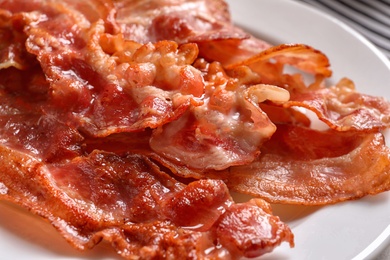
x: 114, y: 129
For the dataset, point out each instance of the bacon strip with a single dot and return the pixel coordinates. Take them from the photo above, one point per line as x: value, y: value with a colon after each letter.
x: 227, y: 129
x: 342, y: 108
x: 104, y: 196
x: 94, y: 87
x: 183, y: 22
x: 300, y: 56
x: 205, y: 22
x: 327, y: 167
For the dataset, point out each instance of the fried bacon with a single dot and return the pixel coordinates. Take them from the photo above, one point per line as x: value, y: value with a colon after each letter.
x: 102, y: 85
x: 142, y: 211
x: 124, y: 86
x: 189, y: 21
x: 341, y: 107
x: 130, y: 122
x: 227, y: 129
x: 85, y: 86
x: 305, y: 166
x: 205, y: 22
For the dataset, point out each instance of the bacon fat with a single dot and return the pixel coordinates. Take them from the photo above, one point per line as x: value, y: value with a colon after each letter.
x: 131, y: 121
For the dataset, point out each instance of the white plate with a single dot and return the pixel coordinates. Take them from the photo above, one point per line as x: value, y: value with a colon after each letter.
x: 351, y: 230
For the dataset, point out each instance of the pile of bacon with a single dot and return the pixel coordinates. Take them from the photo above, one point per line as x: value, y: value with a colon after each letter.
x: 131, y: 121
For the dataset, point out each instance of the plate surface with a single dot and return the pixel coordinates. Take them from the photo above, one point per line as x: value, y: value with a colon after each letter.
x: 350, y: 230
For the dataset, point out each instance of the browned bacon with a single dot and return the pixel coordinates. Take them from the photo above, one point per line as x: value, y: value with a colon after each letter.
x: 180, y: 21
x: 129, y: 121
x: 87, y: 90
x: 104, y: 84
x: 140, y: 210
x: 305, y: 166
x: 227, y: 129
x: 341, y: 107
x: 206, y: 22
x: 94, y: 86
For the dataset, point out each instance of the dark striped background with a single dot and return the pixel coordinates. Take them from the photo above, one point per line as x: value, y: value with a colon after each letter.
x: 369, y: 17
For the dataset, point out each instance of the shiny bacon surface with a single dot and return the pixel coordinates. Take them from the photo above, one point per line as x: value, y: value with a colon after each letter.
x: 130, y: 122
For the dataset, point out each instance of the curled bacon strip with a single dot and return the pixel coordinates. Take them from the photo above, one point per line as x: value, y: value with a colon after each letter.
x: 300, y: 56
x: 342, y: 108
